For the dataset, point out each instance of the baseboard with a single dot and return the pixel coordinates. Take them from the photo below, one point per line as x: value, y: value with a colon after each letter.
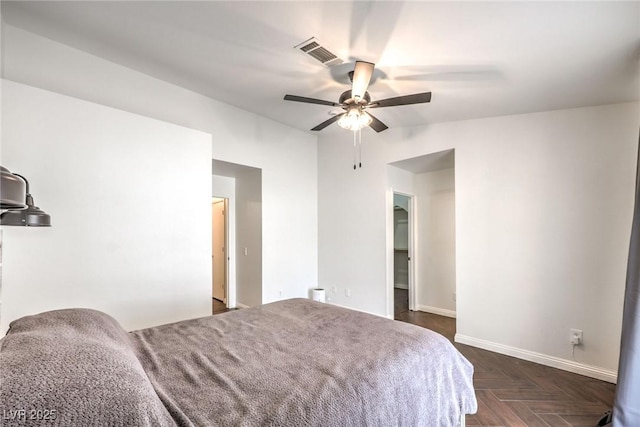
x: 361, y: 311
x: 404, y: 286
x: 436, y: 310
x: 240, y: 305
x: 542, y: 359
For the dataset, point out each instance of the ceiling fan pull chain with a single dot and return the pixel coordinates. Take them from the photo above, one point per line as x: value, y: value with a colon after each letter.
x: 354, y: 150
x: 360, y: 147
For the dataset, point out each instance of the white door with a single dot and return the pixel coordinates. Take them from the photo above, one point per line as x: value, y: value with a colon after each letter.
x: 219, y: 251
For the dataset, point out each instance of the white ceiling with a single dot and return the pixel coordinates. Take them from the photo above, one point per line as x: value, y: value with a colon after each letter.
x: 479, y: 59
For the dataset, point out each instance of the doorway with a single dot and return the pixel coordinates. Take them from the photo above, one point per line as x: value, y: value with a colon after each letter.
x: 429, y: 181
x: 242, y: 187
x: 403, y: 289
x: 219, y: 209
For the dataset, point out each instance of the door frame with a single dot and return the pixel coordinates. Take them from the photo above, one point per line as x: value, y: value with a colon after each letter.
x: 225, y: 247
x: 230, y: 249
x: 412, y: 251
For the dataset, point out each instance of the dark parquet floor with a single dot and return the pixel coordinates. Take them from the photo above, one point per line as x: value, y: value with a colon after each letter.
x: 514, y: 392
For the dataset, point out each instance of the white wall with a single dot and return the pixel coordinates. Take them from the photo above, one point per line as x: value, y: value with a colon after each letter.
x: 435, y: 194
x: 287, y: 157
x: 129, y: 199
x: 543, y: 213
x: 352, y: 213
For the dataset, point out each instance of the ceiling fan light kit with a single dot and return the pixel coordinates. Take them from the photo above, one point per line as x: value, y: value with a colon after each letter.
x: 354, y: 119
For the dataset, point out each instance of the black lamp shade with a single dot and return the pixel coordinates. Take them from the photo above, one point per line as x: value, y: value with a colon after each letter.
x: 13, y: 190
x: 18, y: 203
x: 33, y: 216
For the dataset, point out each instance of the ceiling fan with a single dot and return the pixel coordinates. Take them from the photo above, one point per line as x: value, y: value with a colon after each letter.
x: 356, y: 102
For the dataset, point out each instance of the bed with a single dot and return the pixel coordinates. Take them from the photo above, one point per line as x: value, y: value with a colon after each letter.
x: 290, y: 363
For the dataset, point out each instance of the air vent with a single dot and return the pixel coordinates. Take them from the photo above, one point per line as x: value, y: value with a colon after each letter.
x: 313, y: 48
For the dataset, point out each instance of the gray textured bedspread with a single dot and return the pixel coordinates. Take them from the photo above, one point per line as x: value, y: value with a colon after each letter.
x: 302, y: 363
x: 74, y: 367
x: 289, y: 363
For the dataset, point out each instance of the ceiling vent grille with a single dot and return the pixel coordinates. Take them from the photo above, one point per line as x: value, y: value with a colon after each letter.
x: 313, y: 48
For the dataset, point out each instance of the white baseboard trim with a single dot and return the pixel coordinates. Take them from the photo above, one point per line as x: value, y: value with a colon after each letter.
x: 542, y: 359
x: 436, y: 310
x: 361, y: 311
x: 240, y: 305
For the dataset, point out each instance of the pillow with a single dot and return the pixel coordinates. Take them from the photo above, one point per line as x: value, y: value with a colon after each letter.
x: 74, y: 367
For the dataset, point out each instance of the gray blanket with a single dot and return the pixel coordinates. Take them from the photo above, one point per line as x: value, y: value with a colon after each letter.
x: 302, y: 363
x: 290, y: 363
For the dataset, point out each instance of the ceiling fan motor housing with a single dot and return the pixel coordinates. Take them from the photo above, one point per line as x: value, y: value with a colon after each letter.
x: 346, y: 98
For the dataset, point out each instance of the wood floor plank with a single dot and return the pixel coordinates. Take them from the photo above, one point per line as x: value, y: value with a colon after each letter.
x: 486, y: 415
x: 556, y: 420
x: 526, y: 415
x: 545, y: 382
x: 568, y: 407
x: 502, y: 383
x: 489, y: 375
x: 527, y: 394
x: 501, y: 410
x: 579, y: 420
x: 603, y: 391
x: 579, y: 390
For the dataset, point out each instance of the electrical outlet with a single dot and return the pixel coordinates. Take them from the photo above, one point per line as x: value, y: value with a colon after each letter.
x: 334, y: 289
x: 575, y: 337
x: 347, y: 292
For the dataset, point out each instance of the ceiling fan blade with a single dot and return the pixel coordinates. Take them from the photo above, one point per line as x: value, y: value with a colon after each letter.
x: 310, y: 100
x: 376, y: 124
x: 328, y: 122
x: 361, y: 77
x: 417, y: 98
